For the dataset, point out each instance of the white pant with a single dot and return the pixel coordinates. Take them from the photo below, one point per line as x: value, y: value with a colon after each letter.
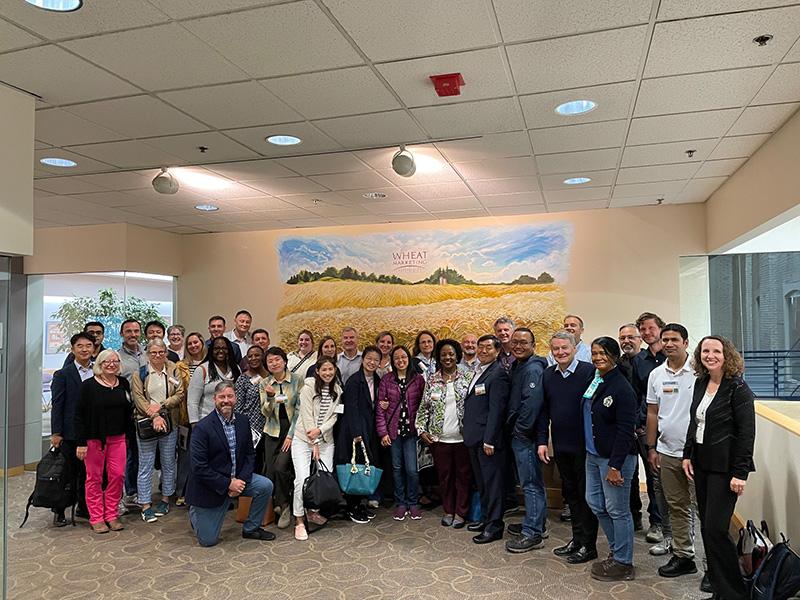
x: 301, y: 458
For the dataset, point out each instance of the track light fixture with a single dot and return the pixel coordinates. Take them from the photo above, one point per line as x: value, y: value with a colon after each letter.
x: 403, y: 163
x: 165, y: 182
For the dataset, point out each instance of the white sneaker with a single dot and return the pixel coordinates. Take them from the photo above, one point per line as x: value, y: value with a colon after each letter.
x: 373, y: 504
x: 662, y: 548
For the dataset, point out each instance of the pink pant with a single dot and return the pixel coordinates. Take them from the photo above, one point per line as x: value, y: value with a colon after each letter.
x: 104, y: 505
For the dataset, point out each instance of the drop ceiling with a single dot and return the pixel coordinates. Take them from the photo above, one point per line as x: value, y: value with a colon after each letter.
x: 126, y: 87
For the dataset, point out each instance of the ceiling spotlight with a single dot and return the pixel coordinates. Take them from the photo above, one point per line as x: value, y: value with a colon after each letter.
x: 374, y: 195
x: 52, y: 161
x: 576, y: 107
x: 57, y: 5
x: 283, y: 140
x: 403, y: 163
x: 165, y: 182
x: 762, y: 40
x: 577, y: 180
x: 207, y: 207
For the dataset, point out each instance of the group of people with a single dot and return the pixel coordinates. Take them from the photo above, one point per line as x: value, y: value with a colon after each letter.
x: 232, y: 416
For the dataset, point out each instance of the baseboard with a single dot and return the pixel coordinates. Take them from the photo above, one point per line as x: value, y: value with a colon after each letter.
x: 31, y: 466
x: 12, y: 471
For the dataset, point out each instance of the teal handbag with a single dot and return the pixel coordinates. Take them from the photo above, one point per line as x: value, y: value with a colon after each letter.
x: 358, y: 480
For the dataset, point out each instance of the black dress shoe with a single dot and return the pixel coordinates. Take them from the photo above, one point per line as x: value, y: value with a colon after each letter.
x: 258, y: 534
x: 459, y: 524
x: 486, y: 537
x: 59, y: 520
x: 582, y: 555
x: 705, y: 584
x: 678, y: 566
x: 477, y: 526
x: 569, y: 548
x: 524, y: 544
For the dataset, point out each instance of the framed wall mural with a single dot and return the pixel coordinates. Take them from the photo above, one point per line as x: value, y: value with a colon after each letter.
x: 452, y: 282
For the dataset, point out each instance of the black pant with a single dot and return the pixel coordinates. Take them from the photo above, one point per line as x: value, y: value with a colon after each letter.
x: 68, y: 448
x: 715, y: 502
x: 278, y: 468
x: 488, y: 473
x: 572, y: 468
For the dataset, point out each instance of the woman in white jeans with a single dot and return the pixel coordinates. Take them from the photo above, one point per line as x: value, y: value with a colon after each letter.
x: 313, y: 435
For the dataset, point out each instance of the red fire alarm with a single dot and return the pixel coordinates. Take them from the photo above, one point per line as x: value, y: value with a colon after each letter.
x: 447, y: 85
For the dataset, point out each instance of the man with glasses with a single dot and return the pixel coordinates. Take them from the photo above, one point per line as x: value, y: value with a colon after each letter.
x: 97, y: 331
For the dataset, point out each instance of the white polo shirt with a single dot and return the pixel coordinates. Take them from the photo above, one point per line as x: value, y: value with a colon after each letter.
x: 672, y: 391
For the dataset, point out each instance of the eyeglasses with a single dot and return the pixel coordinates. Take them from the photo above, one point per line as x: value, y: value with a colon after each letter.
x: 110, y: 362
x: 626, y: 338
x: 157, y: 353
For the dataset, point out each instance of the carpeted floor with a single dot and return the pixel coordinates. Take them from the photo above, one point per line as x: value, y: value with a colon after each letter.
x: 384, y: 559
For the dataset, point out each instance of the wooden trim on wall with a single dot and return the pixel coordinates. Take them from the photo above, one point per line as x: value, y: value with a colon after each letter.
x: 780, y: 419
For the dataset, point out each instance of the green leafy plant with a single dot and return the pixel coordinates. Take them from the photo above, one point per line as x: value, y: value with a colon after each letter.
x: 108, y: 308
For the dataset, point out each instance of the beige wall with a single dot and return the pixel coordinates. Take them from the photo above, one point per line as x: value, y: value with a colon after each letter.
x: 759, y: 194
x: 96, y: 248
x: 623, y: 261
x: 16, y: 171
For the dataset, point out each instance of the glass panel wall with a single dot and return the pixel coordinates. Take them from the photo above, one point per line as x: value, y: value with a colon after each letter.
x: 5, y: 281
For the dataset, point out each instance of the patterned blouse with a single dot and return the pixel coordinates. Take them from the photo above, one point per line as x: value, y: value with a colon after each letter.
x: 248, y: 401
x: 430, y: 418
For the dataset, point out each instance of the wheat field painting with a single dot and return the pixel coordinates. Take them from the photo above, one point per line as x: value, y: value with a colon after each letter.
x: 451, y: 282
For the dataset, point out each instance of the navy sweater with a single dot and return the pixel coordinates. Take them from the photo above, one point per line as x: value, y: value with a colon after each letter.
x: 614, y: 418
x: 561, y: 410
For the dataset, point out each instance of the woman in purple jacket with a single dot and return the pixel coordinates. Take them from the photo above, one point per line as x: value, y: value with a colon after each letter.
x: 399, y: 395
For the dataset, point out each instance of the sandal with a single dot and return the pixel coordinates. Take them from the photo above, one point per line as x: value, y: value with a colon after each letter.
x: 300, y: 533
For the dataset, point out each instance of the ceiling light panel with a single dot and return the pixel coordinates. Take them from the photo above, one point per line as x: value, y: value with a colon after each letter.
x: 559, y: 182
x: 613, y: 102
x: 83, y: 164
x: 313, y: 139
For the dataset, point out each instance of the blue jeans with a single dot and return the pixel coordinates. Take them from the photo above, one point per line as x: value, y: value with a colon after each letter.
x: 167, y: 447
x: 207, y: 522
x: 532, y: 484
x: 611, y: 504
x: 404, y: 469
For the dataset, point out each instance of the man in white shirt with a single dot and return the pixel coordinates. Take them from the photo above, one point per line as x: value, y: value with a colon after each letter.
x: 469, y: 349
x: 240, y: 334
x: 349, y: 361
x: 669, y: 399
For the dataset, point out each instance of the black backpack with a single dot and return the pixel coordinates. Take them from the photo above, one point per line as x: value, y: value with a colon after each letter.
x: 55, y: 484
x: 778, y: 576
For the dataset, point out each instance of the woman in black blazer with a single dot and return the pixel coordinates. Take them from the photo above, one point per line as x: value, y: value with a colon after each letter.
x: 718, y: 455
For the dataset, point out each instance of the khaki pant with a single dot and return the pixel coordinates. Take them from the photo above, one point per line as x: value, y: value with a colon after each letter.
x: 679, y: 493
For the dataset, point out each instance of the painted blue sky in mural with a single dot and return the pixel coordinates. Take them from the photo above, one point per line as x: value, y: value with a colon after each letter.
x: 485, y: 254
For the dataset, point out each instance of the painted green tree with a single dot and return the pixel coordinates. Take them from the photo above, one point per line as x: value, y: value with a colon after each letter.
x: 108, y: 308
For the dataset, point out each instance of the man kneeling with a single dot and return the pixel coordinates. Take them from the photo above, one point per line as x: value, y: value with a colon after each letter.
x: 222, y: 458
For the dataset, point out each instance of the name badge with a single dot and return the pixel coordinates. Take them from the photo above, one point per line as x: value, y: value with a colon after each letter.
x: 281, y: 398
x: 436, y: 396
x: 669, y: 387
x: 255, y: 380
x: 173, y: 381
x: 480, y: 389
x: 339, y: 410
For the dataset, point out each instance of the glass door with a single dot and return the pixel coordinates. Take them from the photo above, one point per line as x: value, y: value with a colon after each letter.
x: 5, y: 281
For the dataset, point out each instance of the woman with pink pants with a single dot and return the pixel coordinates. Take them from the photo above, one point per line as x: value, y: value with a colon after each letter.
x: 103, y: 416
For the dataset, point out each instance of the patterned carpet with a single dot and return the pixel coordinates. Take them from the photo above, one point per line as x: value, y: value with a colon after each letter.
x: 384, y: 559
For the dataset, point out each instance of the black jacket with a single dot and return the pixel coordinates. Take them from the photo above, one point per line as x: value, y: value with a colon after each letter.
x: 65, y: 391
x: 102, y: 411
x: 358, y: 418
x: 730, y: 430
x: 484, y: 414
x: 525, y: 401
x: 614, y: 418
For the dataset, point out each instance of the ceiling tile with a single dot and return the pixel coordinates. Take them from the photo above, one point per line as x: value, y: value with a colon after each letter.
x: 613, y: 102
x: 301, y: 38
x: 497, y: 168
x: 442, y: 204
x: 108, y: 198
x: 351, y: 181
x: 185, y: 198
x: 364, y: 219
x: 554, y: 207
x: 509, y: 185
x: 526, y: 20
x: 431, y: 165
x: 129, y: 154
x: 42, y: 224
x: 588, y: 136
x: 85, y: 165
x: 698, y: 190
x: 232, y: 105
x: 709, y: 91
x: 454, y: 189
x: 338, y: 212
x: 309, y: 222
x: 672, y: 152
x: 794, y: 53
x: 333, y: 93
x: 720, y: 168
x: 66, y: 185
x: 484, y: 72
x: 251, y: 170
x: 380, y: 129
x: 182, y: 229
x: 721, y: 41
x: 470, y: 118
x: 181, y: 9
x: 287, y: 186
x: 684, y: 9
x: 388, y: 30
x: 442, y: 175
x: 639, y: 201
x: 12, y: 37
x: 738, y: 147
x: 394, y: 207
x: 92, y: 18
x: 187, y: 147
x: 682, y: 171
x: 137, y: 116
x: 67, y: 78
x: 316, y: 200
x: 158, y: 58
x: 588, y: 160
x: 61, y: 128
x: 461, y: 214
x: 498, y: 145
x: 498, y: 200
x: 672, y: 128
x: 255, y: 138
x: 526, y: 209
x: 656, y: 189
x: 782, y: 86
x: 598, y: 178
x: 324, y: 164
x: 579, y: 195
x: 762, y: 119
x: 551, y: 64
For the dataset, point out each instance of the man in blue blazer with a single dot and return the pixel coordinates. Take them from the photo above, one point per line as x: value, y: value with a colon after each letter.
x: 222, y: 459
x: 484, y: 417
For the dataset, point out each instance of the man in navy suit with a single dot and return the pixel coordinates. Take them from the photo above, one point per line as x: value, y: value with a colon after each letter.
x: 484, y: 416
x: 222, y: 459
x: 65, y: 391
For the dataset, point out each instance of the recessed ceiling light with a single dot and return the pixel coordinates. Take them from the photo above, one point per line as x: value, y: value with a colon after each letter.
x: 576, y: 107
x: 577, y: 180
x: 207, y: 207
x: 57, y: 5
x: 374, y: 195
x: 58, y: 162
x: 284, y: 140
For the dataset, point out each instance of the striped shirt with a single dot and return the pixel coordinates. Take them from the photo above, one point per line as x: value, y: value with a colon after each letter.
x: 324, y: 405
x: 230, y: 433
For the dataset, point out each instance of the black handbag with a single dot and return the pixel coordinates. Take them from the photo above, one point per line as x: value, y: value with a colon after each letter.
x: 321, y: 490
x: 145, y: 430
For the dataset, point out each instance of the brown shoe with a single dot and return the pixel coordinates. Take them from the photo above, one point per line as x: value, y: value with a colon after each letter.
x: 100, y: 527
x: 313, y: 516
x: 116, y: 525
x: 613, y: 571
